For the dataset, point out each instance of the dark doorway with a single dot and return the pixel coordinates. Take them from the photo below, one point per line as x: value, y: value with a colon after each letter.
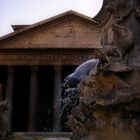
x: 21, y: 98
x: 45, y: 98
x: 44, y: 110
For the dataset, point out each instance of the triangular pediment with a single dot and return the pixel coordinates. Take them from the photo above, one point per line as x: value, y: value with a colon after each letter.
x: 67, y: 30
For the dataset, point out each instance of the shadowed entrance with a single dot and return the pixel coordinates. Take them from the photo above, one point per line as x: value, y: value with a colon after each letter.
x: 45, y: 98
x: 21, y: 98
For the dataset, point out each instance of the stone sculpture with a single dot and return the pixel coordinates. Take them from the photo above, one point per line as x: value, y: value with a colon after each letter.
x: 108, y: 106
x: 123, y: 38
x: 82, y: 72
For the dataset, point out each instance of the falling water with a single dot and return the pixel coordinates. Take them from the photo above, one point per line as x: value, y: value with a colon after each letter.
x: 70, y: 90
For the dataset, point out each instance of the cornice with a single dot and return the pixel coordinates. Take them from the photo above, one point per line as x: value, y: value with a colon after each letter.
x: 11, y: 50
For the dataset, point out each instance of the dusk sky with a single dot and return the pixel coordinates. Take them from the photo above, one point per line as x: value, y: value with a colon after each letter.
x: 14, y: 12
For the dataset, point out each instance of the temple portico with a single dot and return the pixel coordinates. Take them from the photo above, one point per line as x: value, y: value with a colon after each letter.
x: 35, y: 59
x: 24, y: 99
x: 33, y: 90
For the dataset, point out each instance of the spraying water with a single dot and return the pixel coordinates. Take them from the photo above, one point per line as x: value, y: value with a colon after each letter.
x: 70, y: 90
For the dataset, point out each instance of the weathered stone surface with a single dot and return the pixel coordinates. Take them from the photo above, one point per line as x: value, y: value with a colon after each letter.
x: 108, y: 109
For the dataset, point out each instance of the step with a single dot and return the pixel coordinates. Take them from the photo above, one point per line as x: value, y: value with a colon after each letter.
x: 42, y: 136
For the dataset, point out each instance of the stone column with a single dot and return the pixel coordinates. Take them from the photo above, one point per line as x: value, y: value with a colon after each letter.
x: 1, y: 91
x: 33, y: 99
x: 57, y: 99
x: 9, y: 95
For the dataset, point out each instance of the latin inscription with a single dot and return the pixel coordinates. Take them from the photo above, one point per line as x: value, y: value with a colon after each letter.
x: 47, y: 59
x: 51, y: 57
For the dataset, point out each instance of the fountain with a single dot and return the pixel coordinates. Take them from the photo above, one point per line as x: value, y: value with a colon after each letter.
x: 101, y: 98
x: 104, y: 104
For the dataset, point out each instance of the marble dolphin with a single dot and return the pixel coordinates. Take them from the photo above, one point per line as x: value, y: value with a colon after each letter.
x: 81, y: 72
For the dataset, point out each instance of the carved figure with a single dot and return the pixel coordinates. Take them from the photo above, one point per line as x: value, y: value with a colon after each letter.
x: 123, y: 42
x: 3, y: 118
x: 123, y: 38
x: 109, y: 100
x: 82, y: 71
